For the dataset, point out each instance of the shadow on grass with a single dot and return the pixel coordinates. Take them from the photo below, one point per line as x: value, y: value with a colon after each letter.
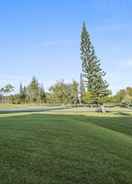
x: 122, y: 113
x: 121, y: 123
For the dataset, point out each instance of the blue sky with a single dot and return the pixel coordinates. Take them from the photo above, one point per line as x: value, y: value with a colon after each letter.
x: 42, y: 38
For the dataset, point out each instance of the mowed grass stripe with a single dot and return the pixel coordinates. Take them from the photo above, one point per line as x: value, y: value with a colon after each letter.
x: 63, y: 149
x: 121, y: 124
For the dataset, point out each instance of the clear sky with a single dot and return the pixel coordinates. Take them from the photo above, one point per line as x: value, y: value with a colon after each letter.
x: 42, y: 38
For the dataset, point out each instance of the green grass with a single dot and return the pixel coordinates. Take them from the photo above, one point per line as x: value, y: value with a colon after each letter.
x: 66, y: 149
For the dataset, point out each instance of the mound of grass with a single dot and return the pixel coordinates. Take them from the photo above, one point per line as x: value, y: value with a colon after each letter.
x: 65, y: 149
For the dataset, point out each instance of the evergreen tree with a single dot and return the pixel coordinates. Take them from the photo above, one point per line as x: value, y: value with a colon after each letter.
x: 22, y: 94
x: 91, y: 68
x: 21, y: 90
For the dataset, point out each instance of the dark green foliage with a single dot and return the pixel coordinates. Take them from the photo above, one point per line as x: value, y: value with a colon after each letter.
x: 22, y: 94
x: 91, y: 68
x: 65, y: 149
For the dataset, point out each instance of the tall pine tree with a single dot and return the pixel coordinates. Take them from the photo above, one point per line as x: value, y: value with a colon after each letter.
x: 91, y: 68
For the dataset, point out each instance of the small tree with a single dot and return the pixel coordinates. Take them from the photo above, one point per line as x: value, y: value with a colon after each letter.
x: 74, y: 92
x: 63, y: 93
x: 22, y: 94
x: 42, y: 95
x: 58, y: 93
x: 33, y: 90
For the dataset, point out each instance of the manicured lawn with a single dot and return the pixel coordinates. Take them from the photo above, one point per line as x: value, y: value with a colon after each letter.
x: 65, y: 149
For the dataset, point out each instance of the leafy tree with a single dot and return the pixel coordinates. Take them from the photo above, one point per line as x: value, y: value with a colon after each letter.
x: 58, y: 93
x: 64, y: 93
x: 124, y: 97
x: 33, y: 90
x: 7, y: 89
x: 91, y: 68
x: 120, y: 95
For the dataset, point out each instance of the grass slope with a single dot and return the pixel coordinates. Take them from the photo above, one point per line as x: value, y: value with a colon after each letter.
x: 65, y: 149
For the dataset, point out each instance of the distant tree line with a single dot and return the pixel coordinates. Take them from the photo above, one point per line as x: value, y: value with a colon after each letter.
x: 59, y: 93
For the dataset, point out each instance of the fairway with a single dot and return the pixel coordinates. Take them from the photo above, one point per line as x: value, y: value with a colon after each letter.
x: 65, y: 149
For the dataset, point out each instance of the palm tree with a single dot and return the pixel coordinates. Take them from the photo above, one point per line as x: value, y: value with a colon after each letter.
x: 7, y: 90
